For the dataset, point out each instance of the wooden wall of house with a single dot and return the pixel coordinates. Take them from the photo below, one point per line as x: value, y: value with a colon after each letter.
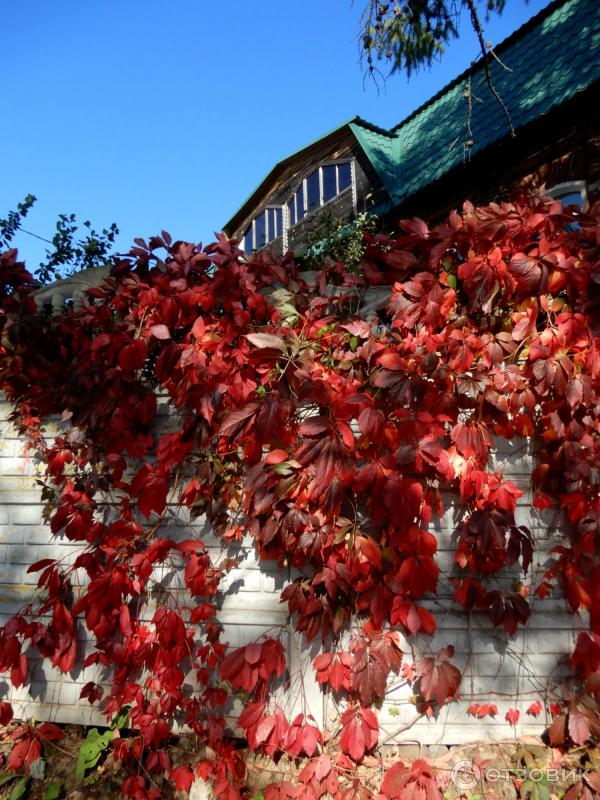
x: 342, y: 208
x: 365, y: 194
x: 561, y: 146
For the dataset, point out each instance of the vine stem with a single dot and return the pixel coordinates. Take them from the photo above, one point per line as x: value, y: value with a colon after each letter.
x: 400, y: 730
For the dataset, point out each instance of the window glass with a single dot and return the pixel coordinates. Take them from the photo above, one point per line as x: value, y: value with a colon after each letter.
x: 279, y: 220
x: 292, y: 210
x: 329, y: 182
x: 247, y: 243
x: 313, y: 195
x: 344, y: 176
x: 300, y: 204
x: 571, y: 199
x: 259, y: 231
x: 272, y: 225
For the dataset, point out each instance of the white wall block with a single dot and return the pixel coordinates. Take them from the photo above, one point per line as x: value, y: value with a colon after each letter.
x: 511, y: 672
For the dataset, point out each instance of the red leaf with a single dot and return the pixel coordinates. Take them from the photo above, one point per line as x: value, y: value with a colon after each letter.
x: 264, y: 730
x: 20, y: 755
x: 133, y: 356
x: 368, y: 675
x: 416, y: 782
x: 333, y: 668
x: 535, y: 709
x: 251, y: 715
x: 438, y: 679
x: 360, y: 732
x: 314, y: 426
x: 45, y: 562
x: 151, y: 488
x: 125, y: 620
x: 480, y: 711
x: 414, y: 618
x: 557, y: 732
x: 512, y: 716
x: 182, y: 777
x: 160, y: 332
x: 92, y: 691
x: 50, y: 731
x: 263, y: 340
x: 236, y: 420
x: 370, y: 550
x: 578, y: 727
x: 18, y: 673
x: 371, y: 423
x: 6, y: 713
x: 392, y: 361
x: 276, y: 456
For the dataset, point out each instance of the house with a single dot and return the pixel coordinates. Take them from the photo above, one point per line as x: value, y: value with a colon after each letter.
x: 461, y: 143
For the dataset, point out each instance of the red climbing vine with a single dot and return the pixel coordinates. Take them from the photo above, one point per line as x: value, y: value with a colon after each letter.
x: 329, y: 438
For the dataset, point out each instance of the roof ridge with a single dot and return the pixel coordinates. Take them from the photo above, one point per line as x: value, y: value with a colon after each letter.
x: 364, y: 123
x: 531, y: 23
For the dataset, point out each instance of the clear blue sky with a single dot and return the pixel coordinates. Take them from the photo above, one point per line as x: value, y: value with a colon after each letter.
x: 166, y: 115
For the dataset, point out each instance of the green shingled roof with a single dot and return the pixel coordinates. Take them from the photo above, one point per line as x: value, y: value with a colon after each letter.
x: 552, y: 57
x: 555, y: 55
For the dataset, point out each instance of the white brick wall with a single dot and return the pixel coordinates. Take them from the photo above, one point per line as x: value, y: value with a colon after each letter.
x: 508, y: 672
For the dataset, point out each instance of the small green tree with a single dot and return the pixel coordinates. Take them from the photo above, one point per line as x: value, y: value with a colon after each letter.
x: 71, y: 250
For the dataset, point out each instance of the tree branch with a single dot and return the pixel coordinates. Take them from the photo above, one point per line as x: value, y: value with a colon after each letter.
x: 477, y: 27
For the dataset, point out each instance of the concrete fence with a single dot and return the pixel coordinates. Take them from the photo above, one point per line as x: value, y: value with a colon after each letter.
x: 511, y: 672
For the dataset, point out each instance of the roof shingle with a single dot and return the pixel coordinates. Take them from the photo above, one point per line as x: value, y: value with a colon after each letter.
x: 552, y: 57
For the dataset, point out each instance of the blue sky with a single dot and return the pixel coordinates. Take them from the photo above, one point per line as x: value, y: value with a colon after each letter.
x: 162, y: 115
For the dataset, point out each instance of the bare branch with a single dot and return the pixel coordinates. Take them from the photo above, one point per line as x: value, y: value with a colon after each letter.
x: 477, y: 27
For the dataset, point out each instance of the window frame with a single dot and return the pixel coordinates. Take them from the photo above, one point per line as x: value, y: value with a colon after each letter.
x: 252, y: 228
x: 322, y: 203
x: 570, y: 187
x: 291, y: 202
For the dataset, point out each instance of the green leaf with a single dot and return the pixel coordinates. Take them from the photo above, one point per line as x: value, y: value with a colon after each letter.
x: 452, y: 281
x: 122, y: 718
x: 282, y: 469
x: 19, y: 788
x: 53, y: 791
x: 10, y: 776
x: 90, y: 751
x: 535, y: 790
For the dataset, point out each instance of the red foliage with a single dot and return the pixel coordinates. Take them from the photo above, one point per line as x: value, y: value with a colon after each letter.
x: 324, y: 436
x: 512, y: 716
x: 535, y: 709
x: 575, y: 724
x: 438, y: 678
x: 359, y: 732
x: 416, y: 782
x: 483, y: 710
x: 29, y: 742
x: 6, y: 713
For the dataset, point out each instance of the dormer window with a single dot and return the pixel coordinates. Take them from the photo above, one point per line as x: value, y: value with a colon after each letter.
x: 572, y: 193
x: 264, y: 229
x: 313, y: 191
x: 323, y: 184
x: 318, y: 188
